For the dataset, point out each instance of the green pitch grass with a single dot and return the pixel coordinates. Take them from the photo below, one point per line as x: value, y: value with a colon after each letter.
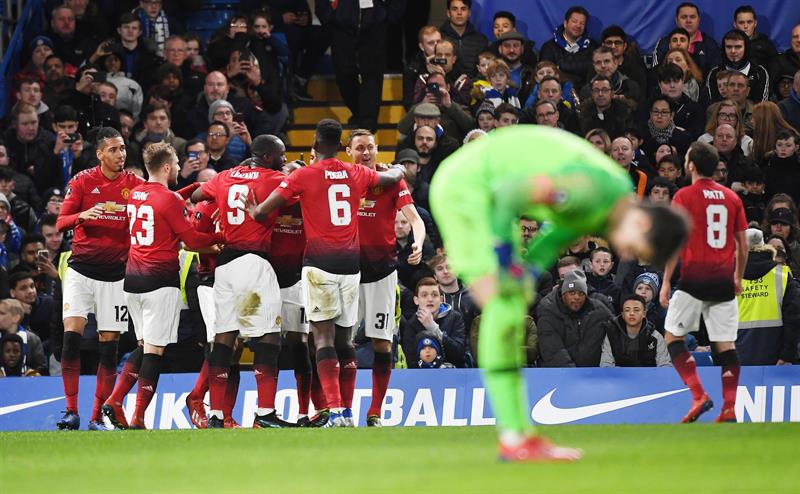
x: 696, y: 458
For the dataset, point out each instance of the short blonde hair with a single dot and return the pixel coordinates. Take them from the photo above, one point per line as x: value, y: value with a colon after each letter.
x: 496, y: 67
x: 14, y: 306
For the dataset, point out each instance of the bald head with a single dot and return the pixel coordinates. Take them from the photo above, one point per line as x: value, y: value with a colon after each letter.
x: 216, y: 86
x: 270, y: 149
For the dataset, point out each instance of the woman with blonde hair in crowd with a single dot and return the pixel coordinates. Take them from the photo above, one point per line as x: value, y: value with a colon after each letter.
x: 727, y: 112
x: 600, y: 139
x: 767, y: 123
x: 692, y: 75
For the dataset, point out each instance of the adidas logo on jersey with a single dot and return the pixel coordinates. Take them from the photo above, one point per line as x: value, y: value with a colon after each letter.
x: 727, y: 374
x: 95, y: 191
x: 316, y: 309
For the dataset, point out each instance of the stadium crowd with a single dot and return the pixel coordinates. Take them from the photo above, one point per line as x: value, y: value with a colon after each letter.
x: 136, y: 69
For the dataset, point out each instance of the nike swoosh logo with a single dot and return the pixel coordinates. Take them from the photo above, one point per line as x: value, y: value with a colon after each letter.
x: 544, y: 412
x: 22, y: 406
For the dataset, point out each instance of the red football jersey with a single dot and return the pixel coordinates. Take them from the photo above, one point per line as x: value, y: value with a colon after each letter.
x: 158, y: 220
x: 709, y: 259
x: 100, y: 247
x: 202, y: 222
x: 376, y: 230
x: 330, y: 194
x: 288, y: 244
x: 243, y: 233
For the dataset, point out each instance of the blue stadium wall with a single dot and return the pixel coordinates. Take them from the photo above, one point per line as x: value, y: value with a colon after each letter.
x: 453, y: 397
x: 644, y: 20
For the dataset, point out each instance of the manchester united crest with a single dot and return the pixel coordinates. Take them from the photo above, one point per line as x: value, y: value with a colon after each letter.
x: 126, y: 192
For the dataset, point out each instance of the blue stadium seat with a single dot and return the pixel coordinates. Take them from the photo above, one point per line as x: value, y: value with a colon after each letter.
x: 703, y: 359
x: 206, y: 22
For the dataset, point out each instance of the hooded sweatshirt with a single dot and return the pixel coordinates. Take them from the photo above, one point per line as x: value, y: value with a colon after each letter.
x: 756, y: 74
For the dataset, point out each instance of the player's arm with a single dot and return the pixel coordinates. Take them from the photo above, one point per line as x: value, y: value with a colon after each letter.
x: 260, y: 212
x: 741, y: 260
x: 188, y: 191
x: 391, y: 176
x: 71, y: 214
x: 418, y: 229
x: 666, y: 286
x: 199, y: 195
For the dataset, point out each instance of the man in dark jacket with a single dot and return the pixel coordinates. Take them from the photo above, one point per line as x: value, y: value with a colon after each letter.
x: 506, y: 22
x: 571, y: 49
x: 469, y: 42
x: 68, y: 44
x: 455, y: 294
x: 571, y: 327
x: 629, y: 61
x: 603, y: 111
x: 30, y: 148
x: 769, y: 308
x: 790, y: 107
x: 702, y: 47
x: 438, y: 318
x: 736, y: 57
x: 689, y: 115
x: 631, y: 340
x: 788, y: 62
x: 358, y: 44
x: 762, y: 50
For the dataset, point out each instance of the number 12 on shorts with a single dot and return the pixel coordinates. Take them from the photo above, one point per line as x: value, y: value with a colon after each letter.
x: 121, y: 313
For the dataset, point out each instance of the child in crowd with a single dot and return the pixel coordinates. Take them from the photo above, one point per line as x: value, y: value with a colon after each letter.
x: 481, y: 82
x: 781, y: 166
x: 753, y: 198
x: 647, y: 285
x: 429, y: 351
x: 501, y: 88
x: 660, y: 191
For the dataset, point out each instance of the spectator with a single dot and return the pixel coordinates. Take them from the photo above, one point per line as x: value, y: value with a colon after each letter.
x: 69, y: 145
x: 237, y: 135
x: 307, y: 42
x: 546, y: 114
x: 790, y: 106
x: 727, y: 112
x: 660, y: 191
x: 782, y: 221
x: 736, y: 57
x: 11, y: 234
x: 500, y: 91
x: 53, y: 239
x: 129, y: 93
x: 781, y: 166
x: 753, y: 198
x: 725, y: 143
x: 57, y: 84
x: 257, y: 76
x: 30, y: 91
x: 549, y: 90
x: 623, y: 89
x: 223, y: 43
x: 408, y: 274
x: 669, y: 169
x: 505, y: 115
x: 432, y: 146
x: 455, y: 119
x: 139, y: 60
x: 92, y: 112
x: 783, y: 255
x: 38, y: 307
x: 484, y: 117
x: 419, y: 190
x: 788, y: 62
x: 32, y: 261
x: 702, y: 47
x: 631, y: 340
x: 435, y: 317
x: 11, y: 357
x: 600, y: 139
x: 11, y: 313
x: 157, y: 121
x: 444, y: 62
x: 571, y: 48
x: 176, y: 52
x: 622, y: 153
x: 469, y: 41
x: 19, y: 183
x: 600, y: 276
x: 156, y: 25
x: 89, y: 20
x: 571, y: 326
x: 769, y: 308
x: 762, y: 50
x: 566, y: 91
x: 219, y: 157
x: 358, y: 46
x: 506, y: 22
x: 688, y: 114
x: 692, y: 75
x: 721, y: 175
x: 70, y: 46
x: 627, y: 56
x: 662, y: 129
x: 429, y: 352
x: 455, y: 294
x: 647, y: 286
x: 767, y: 123
x: 30, y: 147
x: 420, y: 64
x: 603, y: 111
x: 781, y: 88
x: 512, y: 49
x: 40, y: 47
x: 18, y: 209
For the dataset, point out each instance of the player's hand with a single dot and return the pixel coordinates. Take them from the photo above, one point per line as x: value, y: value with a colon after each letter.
x: 416, y: 253
x: 663, y: 295
x: 737, y: 286
x: 92, y: 213
x: 248, y: 203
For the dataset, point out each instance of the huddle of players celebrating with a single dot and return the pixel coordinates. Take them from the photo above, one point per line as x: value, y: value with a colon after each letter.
x: 265, y: 266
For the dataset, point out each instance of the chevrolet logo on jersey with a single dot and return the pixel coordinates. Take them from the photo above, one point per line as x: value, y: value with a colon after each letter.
x: 111, y: 207
x: 288, y: 220
x: 367, y: 204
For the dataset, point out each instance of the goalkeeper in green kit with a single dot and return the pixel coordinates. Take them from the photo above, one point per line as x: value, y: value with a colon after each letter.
x: 477, y: 196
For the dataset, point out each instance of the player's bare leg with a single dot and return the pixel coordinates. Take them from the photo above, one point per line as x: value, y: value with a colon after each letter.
x: 149, y: 373
x: 348, y: 365
x: 219, y: 361
x: 381, y: 372
x: 500, y: 348
x: 112, y: 408
x: 685, y: 365
x: 298, y: 347
x: 728, y: 359
x: 265, y: 368
x: 328, y: 369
